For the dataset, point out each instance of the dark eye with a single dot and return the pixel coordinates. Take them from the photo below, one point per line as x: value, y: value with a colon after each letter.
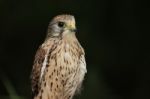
x: 61, y: 24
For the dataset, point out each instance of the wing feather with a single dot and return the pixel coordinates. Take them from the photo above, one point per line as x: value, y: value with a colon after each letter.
x: 36, y: 70
x: 83, y: 71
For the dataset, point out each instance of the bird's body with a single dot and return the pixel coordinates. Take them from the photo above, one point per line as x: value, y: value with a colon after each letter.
x: 59, y: 65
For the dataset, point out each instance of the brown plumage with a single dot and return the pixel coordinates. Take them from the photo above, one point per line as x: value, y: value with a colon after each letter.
x: 59, y: 65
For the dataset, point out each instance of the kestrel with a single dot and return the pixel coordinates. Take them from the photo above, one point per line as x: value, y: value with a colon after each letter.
x: 59, y: 65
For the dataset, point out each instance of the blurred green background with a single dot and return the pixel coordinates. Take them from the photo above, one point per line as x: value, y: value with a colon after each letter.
x: 114, y: 33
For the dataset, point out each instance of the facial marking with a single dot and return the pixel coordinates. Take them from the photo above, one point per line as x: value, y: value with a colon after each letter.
x: 61, y: 25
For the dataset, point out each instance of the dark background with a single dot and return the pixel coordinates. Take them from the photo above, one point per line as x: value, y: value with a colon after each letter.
x: 114, y: 33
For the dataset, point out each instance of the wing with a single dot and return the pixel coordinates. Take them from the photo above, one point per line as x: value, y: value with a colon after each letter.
x: 82, y: 62
x: 82, y: 72
x: 36, y: 70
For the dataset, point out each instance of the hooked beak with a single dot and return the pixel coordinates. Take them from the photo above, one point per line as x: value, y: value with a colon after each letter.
x: 72, y: 27
x: 73, y: 30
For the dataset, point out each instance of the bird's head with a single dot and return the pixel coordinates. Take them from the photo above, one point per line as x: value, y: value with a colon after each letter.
x: 62, y: 25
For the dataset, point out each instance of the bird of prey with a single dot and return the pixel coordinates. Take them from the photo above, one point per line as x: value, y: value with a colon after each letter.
x: 59, y: 66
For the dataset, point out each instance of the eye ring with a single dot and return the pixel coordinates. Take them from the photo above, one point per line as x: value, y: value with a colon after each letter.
x: 61, y: 24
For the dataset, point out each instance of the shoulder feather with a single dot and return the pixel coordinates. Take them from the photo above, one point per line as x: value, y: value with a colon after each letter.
x: 36, y: 70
